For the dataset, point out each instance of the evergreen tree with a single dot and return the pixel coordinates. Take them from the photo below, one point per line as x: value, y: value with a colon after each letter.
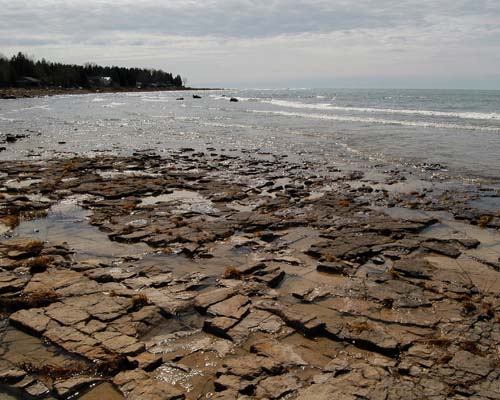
x: 66, y: 75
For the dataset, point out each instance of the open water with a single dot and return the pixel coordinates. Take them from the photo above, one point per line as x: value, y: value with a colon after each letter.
x: 459, y: 129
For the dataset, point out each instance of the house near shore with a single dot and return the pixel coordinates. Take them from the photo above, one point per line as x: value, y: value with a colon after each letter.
x: 100, y: 81
x: 164, y: 85
x: 28, y: 81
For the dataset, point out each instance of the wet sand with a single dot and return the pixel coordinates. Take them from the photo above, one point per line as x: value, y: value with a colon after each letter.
x: 204, y: 275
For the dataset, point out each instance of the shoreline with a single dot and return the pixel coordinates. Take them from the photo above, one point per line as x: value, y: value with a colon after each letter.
x: 227, y: 124
x: 200, y: 272
x: 18, y: 93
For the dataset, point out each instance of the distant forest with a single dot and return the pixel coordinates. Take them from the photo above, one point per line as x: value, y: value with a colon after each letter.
x: 21, y: 70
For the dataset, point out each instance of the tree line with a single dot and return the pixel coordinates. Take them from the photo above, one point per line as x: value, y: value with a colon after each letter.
x: 14, y: 71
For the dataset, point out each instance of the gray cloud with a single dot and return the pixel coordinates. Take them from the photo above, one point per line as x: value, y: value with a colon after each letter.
x: 346, y: 37
x: 77, y: 20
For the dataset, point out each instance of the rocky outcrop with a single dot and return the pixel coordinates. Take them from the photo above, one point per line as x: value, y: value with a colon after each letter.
x: 222, y: 278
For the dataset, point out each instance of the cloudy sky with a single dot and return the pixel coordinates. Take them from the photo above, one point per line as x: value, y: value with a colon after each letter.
x: 270, y: 43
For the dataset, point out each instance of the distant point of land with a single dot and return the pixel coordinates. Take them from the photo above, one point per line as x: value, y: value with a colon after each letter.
x: 21, y: 76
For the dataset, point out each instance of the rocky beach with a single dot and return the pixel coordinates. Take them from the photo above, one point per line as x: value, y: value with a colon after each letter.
x: 245, y: 275
x: 249, y: 200
x: 13, y: 93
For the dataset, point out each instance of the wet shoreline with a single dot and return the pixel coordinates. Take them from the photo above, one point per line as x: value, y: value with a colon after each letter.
x: 18, y: 93
x: 122, y: 123
x: 208, y: 275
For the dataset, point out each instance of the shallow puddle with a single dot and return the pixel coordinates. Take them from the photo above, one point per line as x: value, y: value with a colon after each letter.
x: 489, y: 249
x: 126, y: 173
x: 7, y: 393
x: 464, y: 271
x: 487, y: 204
x: 104, y: 391
x: 66, y: 222
x: 32, y: 197
x: 235, y: 205
x: 178, y: 377
x: 398, y: 187
x: 200, y: 354
x: 299, y: 239
x: 181, y: 265
x: 195, y: 376
x: 402, y: 213
x: 184, y: 201
x: 21, y: 184
x: 19, y: 347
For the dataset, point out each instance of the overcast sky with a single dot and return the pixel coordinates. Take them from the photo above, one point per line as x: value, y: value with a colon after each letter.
x: 270, y: 43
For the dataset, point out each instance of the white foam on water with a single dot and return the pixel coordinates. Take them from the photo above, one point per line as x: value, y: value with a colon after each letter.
x: 294, y: 104
x: 418, y: 124
x: 155, y: 100
x: 40, y: 107
x: 218, y: 97
x: 113, y: 105
x: 428, y: 113
x: 221, y: 125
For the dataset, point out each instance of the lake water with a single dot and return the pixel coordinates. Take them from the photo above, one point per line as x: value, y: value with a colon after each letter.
x: 459, y: 129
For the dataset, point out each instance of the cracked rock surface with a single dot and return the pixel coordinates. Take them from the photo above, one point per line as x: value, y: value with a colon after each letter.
x: 194, y: 275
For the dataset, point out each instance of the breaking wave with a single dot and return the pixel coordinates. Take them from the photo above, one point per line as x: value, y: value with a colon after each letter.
x: 428, y: 113
x: 419, y: 124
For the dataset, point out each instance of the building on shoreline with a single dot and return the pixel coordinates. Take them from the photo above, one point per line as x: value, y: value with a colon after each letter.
x: 100, y: 81
x: 28, y: 81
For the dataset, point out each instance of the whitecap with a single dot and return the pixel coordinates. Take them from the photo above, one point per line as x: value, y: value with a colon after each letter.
x: 428, y: 113
x: 295, y: 104
x: 113, y: 105
x: 419, y: 124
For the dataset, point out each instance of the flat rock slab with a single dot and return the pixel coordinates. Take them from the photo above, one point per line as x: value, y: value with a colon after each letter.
x: 10, y: 282
x: 468, y: 362
x: 119, y: 343
x: 250, y: 366
x: 53, y: 279
x: 300, y: 335
x: 323, y: 392
x: 34, y: 320
x: 206, y: 299
x: 65, y: 314
x: 10, y: 373
x: 280, y: 353
x: 70, y: 386
x: 219, y: 325
x: 234, y: 307
x: 414, y: 268
x: 232, y: 383
x: 270, y: 276
x: 294, y: 316
x: 139, y: 385
x: 336, y: 268
x: 75, y: 341
x: 349, y: 246
x: 442, y: 248
x: 276, y: 387
x: 109, y: 274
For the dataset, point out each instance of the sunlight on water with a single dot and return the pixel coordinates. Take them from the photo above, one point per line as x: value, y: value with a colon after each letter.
x: 456, y: 128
